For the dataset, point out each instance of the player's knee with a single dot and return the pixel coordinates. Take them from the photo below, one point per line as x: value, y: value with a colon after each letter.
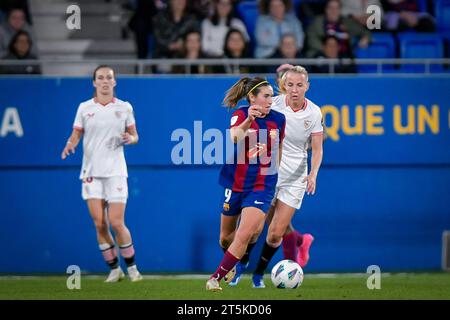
x: 274, y: 237
x: 101, y: 226
x: 225, y: 241
x: 244, y: 237
x: 118, y: 226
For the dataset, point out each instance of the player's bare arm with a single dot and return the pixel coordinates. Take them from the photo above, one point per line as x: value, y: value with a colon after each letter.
x: 72, y: 143
x: 130, y: 136
x: 316, y: 161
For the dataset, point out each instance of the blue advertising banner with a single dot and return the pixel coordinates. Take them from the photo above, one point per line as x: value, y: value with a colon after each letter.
x: 381, y: 197
x: 369, y: 120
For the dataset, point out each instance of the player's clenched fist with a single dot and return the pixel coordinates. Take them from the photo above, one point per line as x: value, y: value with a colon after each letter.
x: 254, y: 112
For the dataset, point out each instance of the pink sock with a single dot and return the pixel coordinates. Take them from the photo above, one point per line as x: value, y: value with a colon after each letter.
x: 109, y: 252
x: 228, y: 262
x: 290, y: 248
x: 127, y: 250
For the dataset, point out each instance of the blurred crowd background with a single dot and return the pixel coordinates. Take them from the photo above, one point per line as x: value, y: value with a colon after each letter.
x: 226, y: 29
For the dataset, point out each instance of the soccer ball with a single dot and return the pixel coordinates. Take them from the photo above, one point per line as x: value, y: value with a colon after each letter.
x: 287, y: 274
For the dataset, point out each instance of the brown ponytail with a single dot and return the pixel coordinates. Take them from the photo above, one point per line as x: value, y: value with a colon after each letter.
x: 242, y: 89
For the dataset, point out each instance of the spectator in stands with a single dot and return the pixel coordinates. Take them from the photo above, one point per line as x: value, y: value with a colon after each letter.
x: 308, y: 10
x: 169, y: 26
x: 330, y: 50
x: 402, y: 15
x: 20, y: 49
x: 8, y: 5
x: 235, y: 48
x: 286, y: 50
x: 357, y: 9
x: 202, y: 8
x: 141, y: 24
x: 192, y: 50
x: 276, y: 19
x: 333, y: 23
x: 15, y: 22
x: 215, y: 28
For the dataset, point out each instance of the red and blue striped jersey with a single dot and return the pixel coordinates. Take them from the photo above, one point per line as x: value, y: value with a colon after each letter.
x: 254, y: 163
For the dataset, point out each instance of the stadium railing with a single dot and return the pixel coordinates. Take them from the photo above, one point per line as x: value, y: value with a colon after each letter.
x: 147, y: 66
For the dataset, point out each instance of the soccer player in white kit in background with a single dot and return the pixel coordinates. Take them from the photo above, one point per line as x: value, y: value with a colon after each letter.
x: 303, y: 127
x: 106, y: 124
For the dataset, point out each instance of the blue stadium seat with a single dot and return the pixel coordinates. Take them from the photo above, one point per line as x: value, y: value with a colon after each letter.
x: 420, y: 45
x: 382, y: 46
x: 423, y: 5
x: 442, y: 10
x: 248, y: 10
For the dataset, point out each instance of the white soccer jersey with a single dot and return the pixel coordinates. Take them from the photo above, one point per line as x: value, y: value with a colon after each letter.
x: 103, y: 126
x: 300, y: 125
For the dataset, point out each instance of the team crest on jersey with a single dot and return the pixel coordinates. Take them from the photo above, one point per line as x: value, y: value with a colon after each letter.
x: 273, y: 133
x: 118, y: 114
x: 307, y: 124
x: 226, y: 206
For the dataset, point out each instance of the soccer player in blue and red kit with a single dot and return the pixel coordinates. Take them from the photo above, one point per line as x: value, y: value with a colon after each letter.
x: 250, y: 178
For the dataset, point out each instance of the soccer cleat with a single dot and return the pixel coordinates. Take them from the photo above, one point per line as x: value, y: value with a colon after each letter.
x: 213, y: 285
x: 115, y: 275
x: 258, y: 282
x: 240, y: 268
x: 134, y: 274
x: 230, y: 275
x: 303, y: 250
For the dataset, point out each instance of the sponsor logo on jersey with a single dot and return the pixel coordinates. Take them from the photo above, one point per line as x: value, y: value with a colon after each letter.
x: 90, y: 115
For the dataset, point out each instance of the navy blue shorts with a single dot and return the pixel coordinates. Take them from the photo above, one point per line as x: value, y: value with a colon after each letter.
x: 235, y: 201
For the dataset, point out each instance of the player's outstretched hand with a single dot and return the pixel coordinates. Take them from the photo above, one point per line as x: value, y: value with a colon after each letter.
x: 69, y: 148
x: 254, y: 112
x: 311, y: 184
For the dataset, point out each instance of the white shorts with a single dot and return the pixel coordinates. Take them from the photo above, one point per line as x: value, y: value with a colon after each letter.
x: 292, y: 195
x: 111, y: 189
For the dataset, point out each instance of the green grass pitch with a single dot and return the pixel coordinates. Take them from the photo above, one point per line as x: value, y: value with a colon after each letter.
x: 340, y: 286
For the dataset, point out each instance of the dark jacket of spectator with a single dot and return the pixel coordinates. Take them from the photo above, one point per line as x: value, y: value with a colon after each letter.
x: 168, y: 31
x: 19, y: 49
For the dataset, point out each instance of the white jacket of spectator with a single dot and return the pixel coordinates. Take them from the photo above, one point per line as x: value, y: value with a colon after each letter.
x: 213, y: 36
x: 269, y: 33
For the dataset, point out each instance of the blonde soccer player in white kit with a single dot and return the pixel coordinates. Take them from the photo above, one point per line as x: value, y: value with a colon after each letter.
x: 106, y: 124
x: 303, y: 127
